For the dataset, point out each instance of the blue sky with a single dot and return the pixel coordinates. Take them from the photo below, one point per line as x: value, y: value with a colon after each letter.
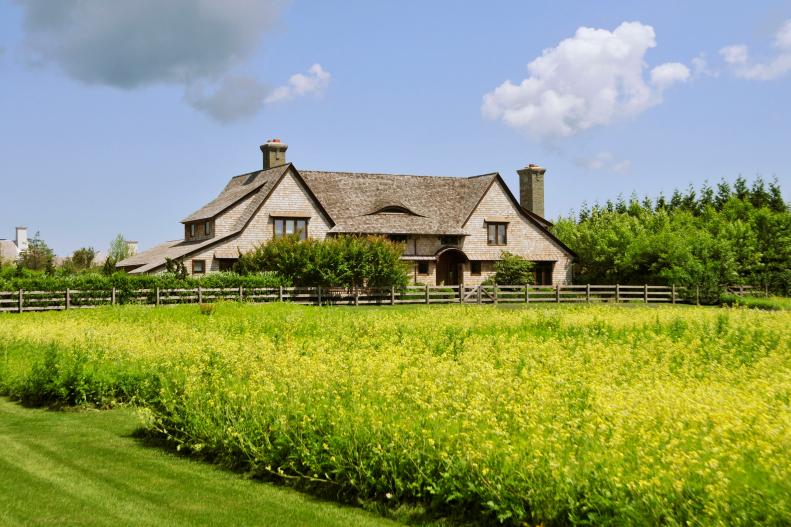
x: 126, y: 120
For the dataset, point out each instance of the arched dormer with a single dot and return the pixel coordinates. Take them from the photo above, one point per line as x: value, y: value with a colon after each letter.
x: 390, y: 207
x: 394, y: 209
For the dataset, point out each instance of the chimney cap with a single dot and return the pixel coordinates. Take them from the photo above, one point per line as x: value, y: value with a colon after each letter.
x: 275, y: 140
x: 532, y: 167
x: 25, y: 228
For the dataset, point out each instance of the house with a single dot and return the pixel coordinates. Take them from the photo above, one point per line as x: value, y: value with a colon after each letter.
x: 11, y: 249
x: 453, y: 228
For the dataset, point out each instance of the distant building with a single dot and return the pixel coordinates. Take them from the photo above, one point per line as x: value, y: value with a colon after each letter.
x: 10, y: 249
x: 453, y: 229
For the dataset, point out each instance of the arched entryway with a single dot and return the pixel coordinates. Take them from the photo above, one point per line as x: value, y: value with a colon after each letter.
x: 450, y: 266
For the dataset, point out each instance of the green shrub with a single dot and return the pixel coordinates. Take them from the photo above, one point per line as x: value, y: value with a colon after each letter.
x: 772, y: 303
x: 512, y: 269
x: 13, y: 279
x: 343, y: 261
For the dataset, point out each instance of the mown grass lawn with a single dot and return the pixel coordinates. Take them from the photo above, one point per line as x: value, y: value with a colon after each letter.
x: 87, y: 469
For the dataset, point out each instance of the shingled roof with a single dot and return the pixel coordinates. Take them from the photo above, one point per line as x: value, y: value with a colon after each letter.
x: 352, y: 201
x: 436, y: 205
x: 238, y: 188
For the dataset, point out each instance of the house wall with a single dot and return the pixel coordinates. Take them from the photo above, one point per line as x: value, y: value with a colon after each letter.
x: 289, y: 195
x: 524, y: 238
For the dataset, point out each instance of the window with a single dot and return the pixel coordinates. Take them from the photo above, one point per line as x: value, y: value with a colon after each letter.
x: 422, y: 268
x: 397, y: 238
x: 449, y: 240
x: 198, y: 267
x: 496, y: 233
x: 192, y: 230
x: 289, y: 226
x: 207, y: 228
x: 226, y: 264
x: 475, y: 267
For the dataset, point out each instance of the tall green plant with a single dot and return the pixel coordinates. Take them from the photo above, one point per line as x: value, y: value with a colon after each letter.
x: 343, y: 261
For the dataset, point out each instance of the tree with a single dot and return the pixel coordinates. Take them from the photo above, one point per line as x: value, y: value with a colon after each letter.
x: 83, y: 257
x: 176, y: 268
x: 119, y: 249
x: 38, y: 256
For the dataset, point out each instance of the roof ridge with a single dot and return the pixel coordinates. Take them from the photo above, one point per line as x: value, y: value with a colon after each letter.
x: 396, y: 175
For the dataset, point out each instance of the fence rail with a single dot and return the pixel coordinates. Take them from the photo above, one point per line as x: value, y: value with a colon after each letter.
x: 21, y: 301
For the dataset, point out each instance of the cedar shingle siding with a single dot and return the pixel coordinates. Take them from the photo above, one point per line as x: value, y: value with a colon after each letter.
x: 423, y: 212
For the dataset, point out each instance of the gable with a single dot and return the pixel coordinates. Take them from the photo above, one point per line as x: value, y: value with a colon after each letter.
x: 526, y: 237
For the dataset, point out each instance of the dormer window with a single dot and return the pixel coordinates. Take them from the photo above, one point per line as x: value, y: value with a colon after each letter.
x: 207, y: 228
x: 192, y: 230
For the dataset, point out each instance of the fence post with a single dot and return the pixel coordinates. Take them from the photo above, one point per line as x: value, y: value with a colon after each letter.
x: 617, y: 293
x: 527, y: 294
x: 588, y: 293
x: 392, y: 295
x: 68, y: 298
x: 280, y: 294
x: 697, y: 295
x: 157, y: 296
x: 557, y: 293
x: 645, y: 293
x: 200, y: 295
x: 480, y: 299
x: 241, y: 293
x: 318, y: 294
x: 495, y: 293
x: 21, y: 300
x: 112, y: 297
x: 356, y: 296
x: 673, y: 293
x: 427, y: 300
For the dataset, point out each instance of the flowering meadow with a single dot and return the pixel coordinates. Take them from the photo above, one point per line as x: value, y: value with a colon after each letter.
x: 554, y: 415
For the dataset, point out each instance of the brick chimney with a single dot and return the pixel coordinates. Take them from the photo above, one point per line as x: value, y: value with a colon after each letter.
x: 531, y: 188
x: 21, y: 239
x: 274, y: 153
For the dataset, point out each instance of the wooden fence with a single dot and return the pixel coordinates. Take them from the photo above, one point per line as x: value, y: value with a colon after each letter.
x: 19, y: 301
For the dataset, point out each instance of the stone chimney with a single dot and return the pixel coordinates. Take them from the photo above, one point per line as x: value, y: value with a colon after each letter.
x: 274, y: 153
x: 131, y: 246
x: 21, y: 239
x: 531, y: 188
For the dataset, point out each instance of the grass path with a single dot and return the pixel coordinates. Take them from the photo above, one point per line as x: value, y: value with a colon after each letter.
x: 86, y: 469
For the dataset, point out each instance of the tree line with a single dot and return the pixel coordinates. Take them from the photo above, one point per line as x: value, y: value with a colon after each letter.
x: 734, y: 234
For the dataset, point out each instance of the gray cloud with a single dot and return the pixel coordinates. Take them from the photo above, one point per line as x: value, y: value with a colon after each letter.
x: 127, y: 44
x: 235, y: 98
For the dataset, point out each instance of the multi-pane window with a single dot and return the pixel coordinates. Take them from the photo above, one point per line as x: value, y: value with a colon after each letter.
x: 192, y: 230
x: 289, y: 226
x: 207, y: 228
x: 475, y: 267
x: 496, y: 233
x: 198, y: 267
x: 422, y: 268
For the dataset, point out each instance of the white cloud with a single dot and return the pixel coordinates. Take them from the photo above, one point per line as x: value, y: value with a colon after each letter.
x: 743, y: 66
x: 605, y: 162
x: 314, y: 83
x: 700, y: 66
x: 667, y: 74
x: 735, y: 54
x: 591, y: 79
